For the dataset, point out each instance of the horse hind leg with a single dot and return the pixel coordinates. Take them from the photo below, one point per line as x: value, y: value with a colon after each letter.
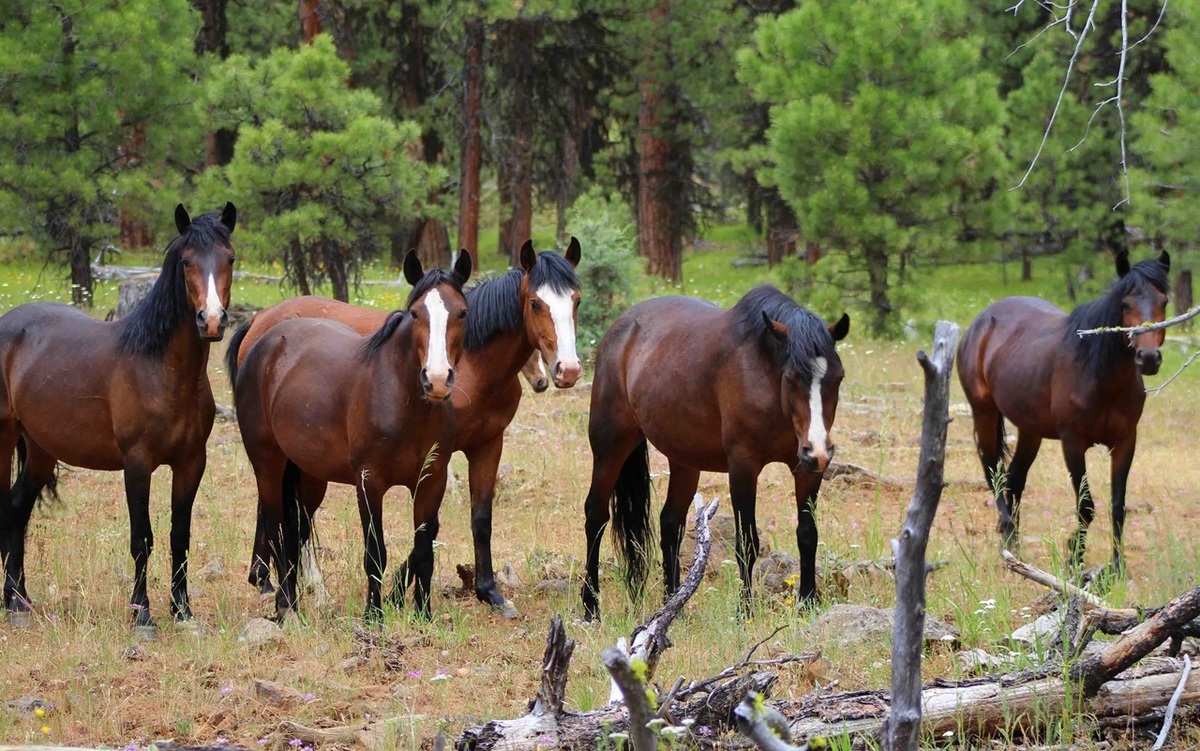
x: 990, y: 445
x: 35, y: 473
x: 1010, y: 501
x: 1085, y: 507
x: 673, y: 521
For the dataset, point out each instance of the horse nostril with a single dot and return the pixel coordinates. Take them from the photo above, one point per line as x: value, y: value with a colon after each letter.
x: 425, y: 383
x: 202, y: 317
x: 224, y: 316
x: 450, y: 379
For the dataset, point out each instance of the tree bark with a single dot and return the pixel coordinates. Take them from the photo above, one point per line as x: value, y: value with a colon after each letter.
x: 310, y: 20
x: 1183, y: 293
x: 521, y: 39
x: 299, y: 270
x: 904, y: 724
x: 877, y: 276
x: 782, y: 227
x: 335, y: 267
x: 659, y: 230
x: 472, y: 139
x: 61, y: 226
x: 569, y: 163
x: 213, y: 40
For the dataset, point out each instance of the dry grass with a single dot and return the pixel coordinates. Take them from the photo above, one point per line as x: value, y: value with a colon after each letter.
x: 475, y: 665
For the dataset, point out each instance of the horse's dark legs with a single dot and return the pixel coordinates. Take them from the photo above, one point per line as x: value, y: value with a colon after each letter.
x: 37, y: 474
x: 185, y: 481
x: 1122, y: 460
x: 370, y: 513
x: 743, y: 489
x: 260, y: 572
x: 1009, y: 502
x: 673, y: 521
x: 613, y: 435
x: 482, y: 465
x: 141, y: 536
x: 427, y: 501
x: 807, y: 486
x: 1085, y: 507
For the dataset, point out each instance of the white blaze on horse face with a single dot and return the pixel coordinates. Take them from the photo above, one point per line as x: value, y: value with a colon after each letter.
x: 817, y: 433
x: 437, y: 368
x: 212, y: 303
x: 562, y: 312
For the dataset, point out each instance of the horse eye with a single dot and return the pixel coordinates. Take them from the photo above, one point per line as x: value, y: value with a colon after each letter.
x: 535, y: 305
x: 186, y: 261
x: 232, y: 260
x: 462, y: 315
x: 577, y: 304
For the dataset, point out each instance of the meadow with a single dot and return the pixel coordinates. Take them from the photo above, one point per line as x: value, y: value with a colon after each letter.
x: 468, y: 664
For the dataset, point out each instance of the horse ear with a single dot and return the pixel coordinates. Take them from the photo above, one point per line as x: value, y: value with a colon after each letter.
x: 182, y: 220
x: 229, y: 216
x: 839, y: 330
x: 573, y: 252
x: 462, y: 266
x: 776, y: 328
x: 412, y: 268
x: 528, y: 257
x: 1165, y: 259
x: 1122, y: 264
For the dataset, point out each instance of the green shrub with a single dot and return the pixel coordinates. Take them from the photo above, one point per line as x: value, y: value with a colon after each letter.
x: 607, y: 266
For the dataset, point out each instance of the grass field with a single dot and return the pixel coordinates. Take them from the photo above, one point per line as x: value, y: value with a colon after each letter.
x: 468, y: 664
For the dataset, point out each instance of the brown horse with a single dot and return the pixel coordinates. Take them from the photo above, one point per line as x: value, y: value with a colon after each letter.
x: 131, y: 395
x: 523, y: 315
x: 318, y: 403
x: 1022, y: 359
x: 717, y: 391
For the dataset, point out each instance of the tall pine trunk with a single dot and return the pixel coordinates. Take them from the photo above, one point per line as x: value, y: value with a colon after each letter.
x: 335, y: 266
x: 659, y: 226
x: 472, y: 139
x: 877, y: 276
x: 521, y: 41
x: 212, y: 40
x: 61, y: 223
x: 427, y: 236
x: 782, y: 227
x: 569, y: 163
x: 310, y: 20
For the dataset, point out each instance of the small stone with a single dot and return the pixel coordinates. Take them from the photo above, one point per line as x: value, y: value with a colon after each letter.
x: 350, y: 664
x: 553, y: 587
x: 134, y: 652
x: 27, y: 705
x: 212, y: 570
x: 463, y: 672
x: 259, y: 632
x: 506, y: 577
x: 1045, y: 627
x: 276, y: 694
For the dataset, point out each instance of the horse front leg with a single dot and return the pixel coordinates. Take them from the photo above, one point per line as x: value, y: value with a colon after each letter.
x: 482, y: 464
x: 743, y: 490
x: 807, y: 487
x: 1122, y: 461
x: 141, y: 537
x: 370, y: 511
x: 185, y: 481
x: 1085, y: 507
x: 427, y: 502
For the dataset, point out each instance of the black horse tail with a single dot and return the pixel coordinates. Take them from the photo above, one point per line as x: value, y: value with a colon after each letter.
x: 20, y: 487
x: 231, y: 352
x: 631, y: 517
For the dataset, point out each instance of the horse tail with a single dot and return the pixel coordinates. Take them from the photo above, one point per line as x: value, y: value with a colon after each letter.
x: 1002, y: 439
x: 231, y: 352
x: 631, y: 516
x: 49, y: 492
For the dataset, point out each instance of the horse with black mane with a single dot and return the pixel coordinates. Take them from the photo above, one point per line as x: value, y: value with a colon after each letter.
x: 318, y: 403
x: 131, y: 395
x: 714, y: 390
x: 524, y: 315
x: 1023, y: 360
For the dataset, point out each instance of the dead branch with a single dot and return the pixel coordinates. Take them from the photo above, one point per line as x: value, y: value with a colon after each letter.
x: 1047, y: 579
x: 1162, y: 734
x: 904, y: 724
x: 764, y: 724
x: 630, y: 677
x: 1144, y: 328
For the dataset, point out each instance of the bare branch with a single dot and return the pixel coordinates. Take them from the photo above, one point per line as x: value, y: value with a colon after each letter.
x: 1144, y: 328
x: 1120, y: 94
x: 1183, y: 678
x: 1158, y: 389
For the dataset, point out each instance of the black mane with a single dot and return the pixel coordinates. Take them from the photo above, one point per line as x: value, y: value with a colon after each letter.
x: 148, y: 329
x: 808, y: 338
x: 1101, y: 352
x: 431, y: 279
x: 495, y: 304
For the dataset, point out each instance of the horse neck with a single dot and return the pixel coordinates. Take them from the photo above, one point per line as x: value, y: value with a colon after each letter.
x: 398, y: 359
x: 186, y: 355
x: 502, y: 358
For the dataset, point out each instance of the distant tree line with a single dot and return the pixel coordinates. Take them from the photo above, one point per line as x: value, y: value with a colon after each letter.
x: 880, y: 134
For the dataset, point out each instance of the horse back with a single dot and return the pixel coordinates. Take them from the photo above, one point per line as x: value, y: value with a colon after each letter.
x: 361, y: 320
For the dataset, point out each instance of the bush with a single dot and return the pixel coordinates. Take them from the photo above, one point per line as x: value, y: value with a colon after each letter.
x: 606, y: 268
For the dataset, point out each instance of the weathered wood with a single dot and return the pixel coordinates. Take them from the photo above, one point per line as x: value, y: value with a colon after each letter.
x: 904, y: 725
x: 764, y: 725
x: 629, y: 677
x: 985, y: 706
x: 1137, y: 642
x: 131, y: 291
x: 556, y: 661
x: 1047, y: 579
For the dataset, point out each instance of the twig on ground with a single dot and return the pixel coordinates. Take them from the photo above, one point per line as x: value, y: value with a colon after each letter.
x: 1162, y: 734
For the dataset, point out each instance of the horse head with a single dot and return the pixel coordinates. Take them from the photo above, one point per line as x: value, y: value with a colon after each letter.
x: 550, y: 301
x: 439, y: 314
x: 207, y: 260
x: 534, y: 371
x: 1144, y: 300
x: 812, y: 378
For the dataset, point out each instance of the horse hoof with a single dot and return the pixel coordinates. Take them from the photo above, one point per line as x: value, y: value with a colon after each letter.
x: 507, y: 610
x: 146, y: 632
x: 20, y: 618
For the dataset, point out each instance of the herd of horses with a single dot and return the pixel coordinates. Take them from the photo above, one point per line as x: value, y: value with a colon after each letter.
x: 327, y: 392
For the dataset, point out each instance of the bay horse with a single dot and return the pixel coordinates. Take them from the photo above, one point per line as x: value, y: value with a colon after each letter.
x: 717, y: 391
x: 130, y: 395
x: 318, y: 403
x: 524, y: 315
x: 1022, y: 360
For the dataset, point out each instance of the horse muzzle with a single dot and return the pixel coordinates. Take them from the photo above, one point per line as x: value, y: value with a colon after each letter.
x: 566, y: 374
x: 212, y: 327
x: 438, y: 387
x: 812, y: 462
x: 1148, y: 360
x: 540, y: 384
